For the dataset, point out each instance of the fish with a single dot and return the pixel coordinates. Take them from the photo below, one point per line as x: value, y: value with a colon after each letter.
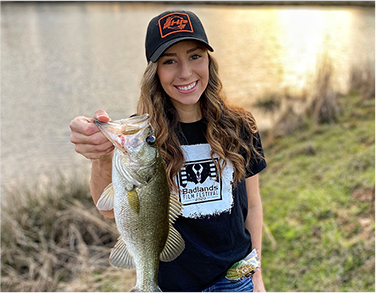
x: 144, y: 208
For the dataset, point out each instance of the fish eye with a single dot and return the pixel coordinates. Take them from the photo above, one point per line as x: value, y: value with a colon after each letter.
x: 150, y: 140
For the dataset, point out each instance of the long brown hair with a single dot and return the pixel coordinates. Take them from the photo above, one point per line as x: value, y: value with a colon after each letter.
x: 226, y: 125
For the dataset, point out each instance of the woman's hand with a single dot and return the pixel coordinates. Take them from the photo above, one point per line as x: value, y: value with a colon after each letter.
x: 88, y: 139
x: 258, y: 283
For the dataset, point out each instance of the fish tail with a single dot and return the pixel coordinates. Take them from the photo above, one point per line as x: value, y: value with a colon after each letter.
x: 152, y: 288
x: 136, y: 290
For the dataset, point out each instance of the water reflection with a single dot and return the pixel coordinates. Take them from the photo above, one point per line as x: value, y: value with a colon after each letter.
x: 315, y: 34
x: 281, y: 48
x: 61, y: 60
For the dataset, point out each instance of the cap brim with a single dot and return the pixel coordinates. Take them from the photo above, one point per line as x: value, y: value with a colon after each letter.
x: 155, y: 56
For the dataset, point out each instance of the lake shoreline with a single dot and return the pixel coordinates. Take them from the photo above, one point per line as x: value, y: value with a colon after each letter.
x: 77, y: 57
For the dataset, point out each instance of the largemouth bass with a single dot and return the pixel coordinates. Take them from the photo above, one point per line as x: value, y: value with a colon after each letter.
x: 143, y: 206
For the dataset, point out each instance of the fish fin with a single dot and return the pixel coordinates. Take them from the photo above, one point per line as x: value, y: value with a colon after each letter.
x: 120, y: 256
x: 134, y: 203
x: 174, y: 246
x: 175, y: 243
x: 106, y: 201
x: 175, y: 208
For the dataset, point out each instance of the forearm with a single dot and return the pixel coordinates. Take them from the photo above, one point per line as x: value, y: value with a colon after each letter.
x: 254, y: 220
x: 101, y: 176
x: 253, y: 224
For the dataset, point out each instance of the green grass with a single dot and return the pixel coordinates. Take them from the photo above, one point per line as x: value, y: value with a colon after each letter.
x: 318, y: 198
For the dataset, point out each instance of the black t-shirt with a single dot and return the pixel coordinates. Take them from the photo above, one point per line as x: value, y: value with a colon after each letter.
x: 213, y: 216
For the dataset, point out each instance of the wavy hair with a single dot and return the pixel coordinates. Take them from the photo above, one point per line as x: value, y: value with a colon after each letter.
x: 227, y: 125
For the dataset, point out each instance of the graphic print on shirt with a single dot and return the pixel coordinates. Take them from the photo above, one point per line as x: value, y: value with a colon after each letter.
x: 203, y: 191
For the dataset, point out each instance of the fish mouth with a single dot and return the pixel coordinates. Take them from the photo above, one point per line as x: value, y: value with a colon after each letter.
x: 126, y: 126
x: 118, y: 130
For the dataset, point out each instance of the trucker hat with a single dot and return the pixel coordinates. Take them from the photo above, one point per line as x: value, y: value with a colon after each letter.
x: 171, y: 27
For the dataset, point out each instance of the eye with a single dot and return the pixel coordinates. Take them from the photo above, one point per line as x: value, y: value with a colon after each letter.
x: 195, y: 56
x: 169, y: 61
x: 150, y: 140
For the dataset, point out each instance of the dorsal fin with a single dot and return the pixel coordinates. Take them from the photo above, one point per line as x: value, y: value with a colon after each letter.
x: 175, y: 208
x: 175, y: 243
x: 174, y: 246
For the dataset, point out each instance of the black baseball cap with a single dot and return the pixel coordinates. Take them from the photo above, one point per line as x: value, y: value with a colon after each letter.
x: 171, y: 27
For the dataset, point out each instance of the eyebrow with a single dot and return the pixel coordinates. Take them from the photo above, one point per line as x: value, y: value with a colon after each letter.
x: 188, y: 51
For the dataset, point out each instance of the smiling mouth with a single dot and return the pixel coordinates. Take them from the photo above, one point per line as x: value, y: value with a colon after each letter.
x: 187, y: 87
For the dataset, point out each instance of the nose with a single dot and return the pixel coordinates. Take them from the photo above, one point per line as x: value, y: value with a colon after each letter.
x: 184, y: 70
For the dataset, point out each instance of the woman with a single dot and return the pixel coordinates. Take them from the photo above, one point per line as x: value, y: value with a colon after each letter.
x: 212, y: 153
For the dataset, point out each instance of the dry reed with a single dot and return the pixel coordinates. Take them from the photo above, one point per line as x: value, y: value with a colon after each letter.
x: 324, y: 102
x: 362, y: 80
x: 317, y: 103
x: 51, y: 232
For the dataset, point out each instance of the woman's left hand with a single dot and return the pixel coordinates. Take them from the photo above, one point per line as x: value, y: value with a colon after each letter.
x: 258, y: 283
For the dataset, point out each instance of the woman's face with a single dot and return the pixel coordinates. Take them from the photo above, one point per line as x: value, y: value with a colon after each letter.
x: 183, y: 71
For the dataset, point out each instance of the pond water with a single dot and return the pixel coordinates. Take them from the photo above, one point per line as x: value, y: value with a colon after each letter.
x: 60, y: 60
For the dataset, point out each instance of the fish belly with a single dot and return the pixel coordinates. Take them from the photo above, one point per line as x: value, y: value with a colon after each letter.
x: 144, y: 232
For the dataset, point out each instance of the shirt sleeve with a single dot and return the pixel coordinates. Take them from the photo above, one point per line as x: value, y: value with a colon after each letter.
x: 257, y: 163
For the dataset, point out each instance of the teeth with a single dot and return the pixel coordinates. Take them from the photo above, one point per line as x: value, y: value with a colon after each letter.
x: 186, y: 88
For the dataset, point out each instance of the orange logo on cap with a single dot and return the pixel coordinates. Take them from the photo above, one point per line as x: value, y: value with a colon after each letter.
x: 174, y: 23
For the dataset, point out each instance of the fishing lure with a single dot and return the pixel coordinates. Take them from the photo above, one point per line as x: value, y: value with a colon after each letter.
x: 245, y: 267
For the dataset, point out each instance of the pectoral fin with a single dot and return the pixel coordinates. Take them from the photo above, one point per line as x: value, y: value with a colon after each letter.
x: 120, y: 257
x: 106, y: 201
x: 175, y: 243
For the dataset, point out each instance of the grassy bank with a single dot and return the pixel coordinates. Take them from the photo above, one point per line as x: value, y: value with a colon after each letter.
x: 318, y: 196
x: 319, y: 209
x: 52, y: 233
